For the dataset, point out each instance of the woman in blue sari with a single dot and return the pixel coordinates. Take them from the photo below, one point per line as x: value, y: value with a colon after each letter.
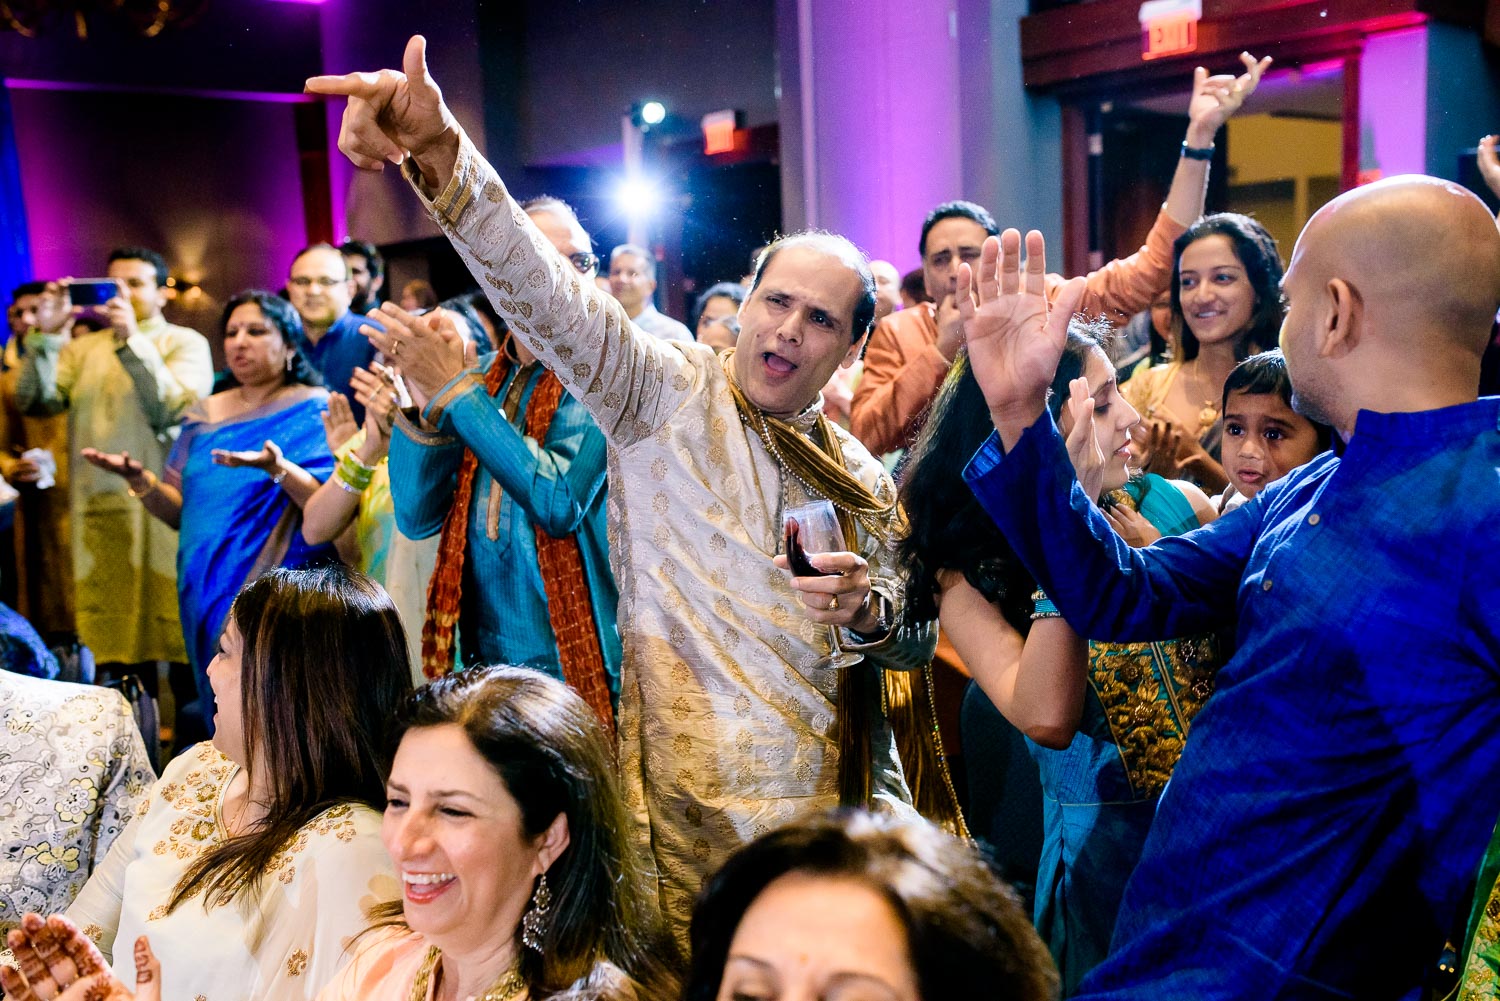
x: 1105, y: 722
x: 233, y: 493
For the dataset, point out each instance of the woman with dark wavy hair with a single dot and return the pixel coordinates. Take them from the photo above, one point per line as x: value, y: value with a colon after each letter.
x: 1104, y: 721
x: 1226, y: 305
x: 259, y: 857
x: 854, y: 905
x: 248, y: 458
x: 508, y: 830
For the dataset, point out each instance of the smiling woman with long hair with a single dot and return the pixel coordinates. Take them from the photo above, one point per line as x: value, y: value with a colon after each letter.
x: 1226, y: 306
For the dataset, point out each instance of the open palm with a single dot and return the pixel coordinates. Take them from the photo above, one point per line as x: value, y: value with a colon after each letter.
x: 1014, y: 337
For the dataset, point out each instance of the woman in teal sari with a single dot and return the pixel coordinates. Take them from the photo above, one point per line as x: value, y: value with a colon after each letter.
x: 246, y: 460
x: 1105, y: 722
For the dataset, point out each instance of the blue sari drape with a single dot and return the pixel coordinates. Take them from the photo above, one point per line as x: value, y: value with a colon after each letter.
x: 237, y: 522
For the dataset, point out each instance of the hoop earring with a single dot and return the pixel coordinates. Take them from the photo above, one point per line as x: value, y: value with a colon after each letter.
x: 534, y: 921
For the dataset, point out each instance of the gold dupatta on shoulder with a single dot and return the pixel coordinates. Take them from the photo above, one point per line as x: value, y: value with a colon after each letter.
x: 905, y: 698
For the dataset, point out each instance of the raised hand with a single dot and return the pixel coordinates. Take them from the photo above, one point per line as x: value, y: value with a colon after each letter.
x: 1489, y: 164
x: 379, y: 396
x: 1088, y: 458
x: 391, y: 113
x: 54, y: 314
x: 266, y: 460
x: 1014, y: 338
x: 339, y: 424
x: 1215, y: 98
x: 121, y: 316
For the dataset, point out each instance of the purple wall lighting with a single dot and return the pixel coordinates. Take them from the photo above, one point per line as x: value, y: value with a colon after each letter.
x: 880, y: 133
x: 213, y: 184
x: 1393, y: 103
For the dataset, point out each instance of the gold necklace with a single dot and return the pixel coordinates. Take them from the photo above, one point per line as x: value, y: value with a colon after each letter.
x: 511, y: 984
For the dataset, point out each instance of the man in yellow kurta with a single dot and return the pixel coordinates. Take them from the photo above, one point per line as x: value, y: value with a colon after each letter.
x: 727, y: 719
x: 125, y: 389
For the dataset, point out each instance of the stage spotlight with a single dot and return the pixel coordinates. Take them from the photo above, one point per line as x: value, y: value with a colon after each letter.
x: 638, y: 198
x: 653, y: 113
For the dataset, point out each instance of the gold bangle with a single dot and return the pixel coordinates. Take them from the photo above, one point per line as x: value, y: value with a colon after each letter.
x: 150, y: 487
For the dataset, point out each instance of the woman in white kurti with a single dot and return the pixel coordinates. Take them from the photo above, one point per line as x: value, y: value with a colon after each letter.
x: 259, y: 857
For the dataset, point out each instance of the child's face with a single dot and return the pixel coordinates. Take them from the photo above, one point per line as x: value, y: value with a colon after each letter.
x: 1264, y: 439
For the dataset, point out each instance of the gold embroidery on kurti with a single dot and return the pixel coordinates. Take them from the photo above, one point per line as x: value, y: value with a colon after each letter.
x: 1150, y: 693
x: 296, y: 963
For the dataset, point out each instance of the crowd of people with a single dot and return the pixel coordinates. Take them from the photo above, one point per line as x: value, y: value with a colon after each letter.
x: 535, y: 644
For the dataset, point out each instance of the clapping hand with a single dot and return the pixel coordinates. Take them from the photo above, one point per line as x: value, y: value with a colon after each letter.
x: 391, y: 113
x: 381, y: 392
x: 429, y: 348
x: 1216, y: 98
x: 1014, y: 337
x: 266, y: 460
x: 58, y: 961
x: 339, y: 424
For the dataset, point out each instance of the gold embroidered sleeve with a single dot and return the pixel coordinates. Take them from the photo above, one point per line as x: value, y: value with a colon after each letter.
x: 629, y: 381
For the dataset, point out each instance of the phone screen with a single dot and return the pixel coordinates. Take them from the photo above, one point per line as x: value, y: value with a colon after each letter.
x: 93, y: 291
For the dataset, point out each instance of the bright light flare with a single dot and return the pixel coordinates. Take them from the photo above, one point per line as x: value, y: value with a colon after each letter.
x: 653, y: 112
x: 638, y: 198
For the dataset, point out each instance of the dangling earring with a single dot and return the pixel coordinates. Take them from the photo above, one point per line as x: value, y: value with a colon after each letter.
x: 289, y: 362
x: 534, y: 921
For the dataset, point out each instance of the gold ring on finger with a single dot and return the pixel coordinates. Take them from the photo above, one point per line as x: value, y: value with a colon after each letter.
x: 833, y: 603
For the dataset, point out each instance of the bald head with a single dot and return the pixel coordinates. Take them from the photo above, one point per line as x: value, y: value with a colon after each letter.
x: 1422, y: 254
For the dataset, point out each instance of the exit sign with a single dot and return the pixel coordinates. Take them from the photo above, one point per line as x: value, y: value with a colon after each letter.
x: 1169, y: 27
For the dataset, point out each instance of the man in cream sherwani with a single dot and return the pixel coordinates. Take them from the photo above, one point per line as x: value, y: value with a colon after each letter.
x: 727, y: 723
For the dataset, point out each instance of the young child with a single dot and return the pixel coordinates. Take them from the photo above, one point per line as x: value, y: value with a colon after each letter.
x: 1264, y: 438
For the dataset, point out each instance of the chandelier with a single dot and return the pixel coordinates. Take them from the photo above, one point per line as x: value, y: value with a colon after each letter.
x: 148, y: 18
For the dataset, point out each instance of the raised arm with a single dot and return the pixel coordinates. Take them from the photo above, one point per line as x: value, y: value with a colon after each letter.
x: 630, y: 382
x: 163, y: 500
x: 555, y: 482
x: 1125, y: 286
x: 1024, y: 478
x: 46, y: 379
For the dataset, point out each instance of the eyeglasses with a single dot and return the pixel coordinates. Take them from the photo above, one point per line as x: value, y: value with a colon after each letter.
x: 583, y: 263
x: 303, y: 281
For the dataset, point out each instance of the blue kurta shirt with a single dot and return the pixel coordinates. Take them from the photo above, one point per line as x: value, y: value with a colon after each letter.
x: 340, y: 350
x: 1321, y: 833
x: 558, y: 484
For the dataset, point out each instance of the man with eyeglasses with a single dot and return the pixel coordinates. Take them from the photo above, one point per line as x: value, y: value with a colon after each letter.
x: 911, y: 351
x: 322, y: 290
x: 511, y: 470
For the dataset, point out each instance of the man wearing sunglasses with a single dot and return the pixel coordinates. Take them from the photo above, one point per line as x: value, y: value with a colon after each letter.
x: 511, y: 470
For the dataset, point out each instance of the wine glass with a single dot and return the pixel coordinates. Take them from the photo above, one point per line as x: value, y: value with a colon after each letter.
x: 813, y: 528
